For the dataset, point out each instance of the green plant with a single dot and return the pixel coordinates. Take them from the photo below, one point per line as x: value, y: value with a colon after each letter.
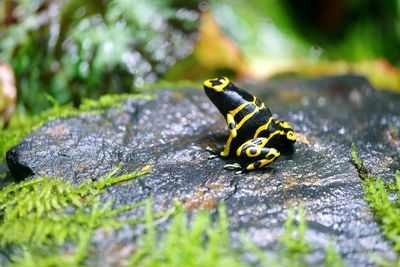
x: 201, y: 242
x: 196, y: 243
x: 332, y: 258
x: 39, y: 216
x: 384, y: 199
x: 294, y: 245
x: 82, y: 49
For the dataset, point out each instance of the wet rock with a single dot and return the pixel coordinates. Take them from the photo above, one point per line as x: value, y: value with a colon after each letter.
x: 171, y: 132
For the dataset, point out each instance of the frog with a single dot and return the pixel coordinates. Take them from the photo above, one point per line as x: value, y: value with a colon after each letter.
x: 255, y: 138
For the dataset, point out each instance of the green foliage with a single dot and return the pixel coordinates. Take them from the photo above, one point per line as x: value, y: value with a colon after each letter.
x: 291, y: 29
x: 362, y: 171
x: 332, y: 258
x: 295, y: 247
x: 83, y: 49
x: 201, y: 242
x: 377, y: 193
x: 77, y: 228
x: 39, y: 216
x: 262, y: 29
x: 384, y: 199
x: 198, y: 243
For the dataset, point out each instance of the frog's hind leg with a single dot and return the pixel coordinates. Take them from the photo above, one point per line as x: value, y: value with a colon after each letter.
x: 256, y: 155
x: 259, y: 164
x: 267, y: 155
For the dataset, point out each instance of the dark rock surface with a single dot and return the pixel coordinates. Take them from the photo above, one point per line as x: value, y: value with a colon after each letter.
x: 171, y: 132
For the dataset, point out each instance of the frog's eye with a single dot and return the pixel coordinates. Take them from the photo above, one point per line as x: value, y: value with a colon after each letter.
x: 291, y: 136
x: 217, y: 84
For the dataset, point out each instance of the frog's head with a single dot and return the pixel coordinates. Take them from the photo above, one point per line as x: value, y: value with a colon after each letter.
x: 290, y: 135
x: 225, y: 95
x: 217, y: 84
x: 287, y: 129
x: 217, y: 91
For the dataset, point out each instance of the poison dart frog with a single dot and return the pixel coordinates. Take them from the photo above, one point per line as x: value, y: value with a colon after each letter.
x: 255, y: 137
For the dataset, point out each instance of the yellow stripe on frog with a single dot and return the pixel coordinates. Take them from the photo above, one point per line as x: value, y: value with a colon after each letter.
x: 263, y: 127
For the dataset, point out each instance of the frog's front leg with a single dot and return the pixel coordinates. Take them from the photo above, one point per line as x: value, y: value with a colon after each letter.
x: 255, y: 154
x: 230, y: 121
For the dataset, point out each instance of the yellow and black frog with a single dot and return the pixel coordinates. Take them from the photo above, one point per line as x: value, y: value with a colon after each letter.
x: 255, y: 138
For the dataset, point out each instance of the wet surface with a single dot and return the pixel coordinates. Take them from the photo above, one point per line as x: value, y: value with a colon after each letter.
x: 172, y: 131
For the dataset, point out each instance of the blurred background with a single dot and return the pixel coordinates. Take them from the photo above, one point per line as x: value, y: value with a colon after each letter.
x: 75, y: 49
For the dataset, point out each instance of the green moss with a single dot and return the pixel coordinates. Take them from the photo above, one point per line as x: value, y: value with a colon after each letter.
x: 332, y: 258
x: 38, y: 217
x: 202, y: 242
x: 295, y: 247
x: 106, y: 101
x: 362, y: 171
x: 22, y: 124
x: 384, y: 199
x: 36, y: 226
x: 92, y: 54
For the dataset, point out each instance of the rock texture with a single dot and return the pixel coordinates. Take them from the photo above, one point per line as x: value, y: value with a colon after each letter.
x: 171, y: 131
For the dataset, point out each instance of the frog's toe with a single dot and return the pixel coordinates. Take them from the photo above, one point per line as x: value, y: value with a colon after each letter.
x: 241, y: 171
x: 214, y: 154
x: 209, y: 149
x: 234, y: 166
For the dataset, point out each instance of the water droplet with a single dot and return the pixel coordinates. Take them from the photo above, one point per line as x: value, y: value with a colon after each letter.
x: 305, y: 101
x: 321, y: 101
x: 355, y: 97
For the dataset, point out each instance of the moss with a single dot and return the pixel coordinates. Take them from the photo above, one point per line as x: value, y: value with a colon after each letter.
x: 106, y: 101
x: 40, y: 216
x: 384, y: 199
x: 294, y: 246
x: 332, y: 258
x: 361, y: 169
x: 202, y: 242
